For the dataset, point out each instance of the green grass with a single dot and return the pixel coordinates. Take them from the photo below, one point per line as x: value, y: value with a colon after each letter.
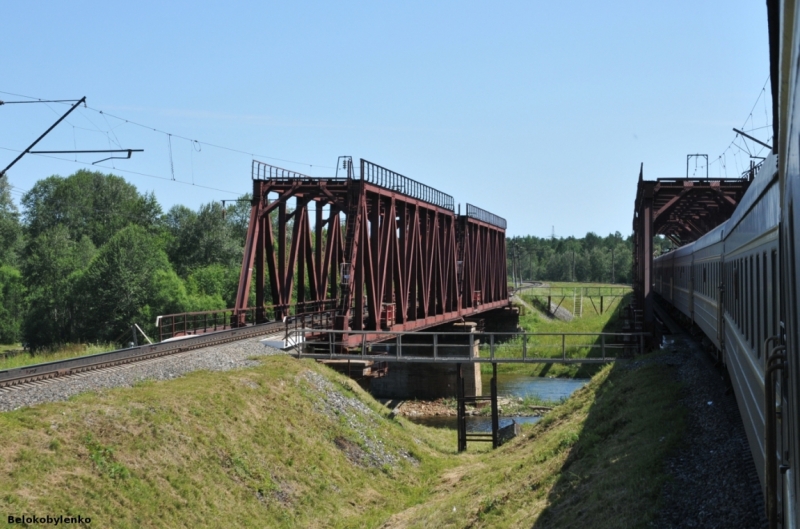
x: 242, y: 448
x: 10, y: 347
x: 255, y: 448
x: 535, y: 321
x: 594, y: 461
x: 50, y: 355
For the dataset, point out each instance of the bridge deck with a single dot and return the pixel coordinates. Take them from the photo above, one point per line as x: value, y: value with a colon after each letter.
x: 468, y: 347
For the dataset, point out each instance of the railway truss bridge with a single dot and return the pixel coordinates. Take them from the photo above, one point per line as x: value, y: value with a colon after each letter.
x: 682, y: 210
x: 379, y: 251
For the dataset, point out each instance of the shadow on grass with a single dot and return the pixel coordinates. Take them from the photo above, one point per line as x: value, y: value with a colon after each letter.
x: 613, y: 325
x: 614, y: 472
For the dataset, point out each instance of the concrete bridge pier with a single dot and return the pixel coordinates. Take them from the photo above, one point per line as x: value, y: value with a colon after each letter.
x: 430, y: 381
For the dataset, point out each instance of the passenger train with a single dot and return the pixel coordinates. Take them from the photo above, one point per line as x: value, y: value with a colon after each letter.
x: 738, y: 283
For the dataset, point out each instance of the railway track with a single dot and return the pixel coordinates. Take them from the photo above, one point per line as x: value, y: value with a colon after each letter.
x: 38, y: 374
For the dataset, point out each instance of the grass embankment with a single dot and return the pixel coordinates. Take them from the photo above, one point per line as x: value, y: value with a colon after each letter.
x: 19, y: 358
x: 254, y: 448
x: 594, y: 461
x: 536, y: 321
x: 272, y: 446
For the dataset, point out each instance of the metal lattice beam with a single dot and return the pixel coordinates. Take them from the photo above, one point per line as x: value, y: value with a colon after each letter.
x: 406, y: 260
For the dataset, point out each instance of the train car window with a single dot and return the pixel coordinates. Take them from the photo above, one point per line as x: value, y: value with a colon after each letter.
x: 757, y: 302
x: 774, y: 292
x: 745, y: 301
x: 743, y: 297
x: 738, y: 288
x: 705, y: 282
x: 711, y: 290
x: 728, y: 285
x: 725, y: 277
x: 731, y: 290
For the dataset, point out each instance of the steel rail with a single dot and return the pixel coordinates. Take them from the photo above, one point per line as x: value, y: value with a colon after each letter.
x: 60, y: 368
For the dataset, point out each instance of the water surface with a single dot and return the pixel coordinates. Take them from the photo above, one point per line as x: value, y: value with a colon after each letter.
x: 511, y: 386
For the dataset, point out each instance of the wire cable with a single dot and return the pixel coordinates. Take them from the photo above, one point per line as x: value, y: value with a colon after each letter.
x: 216, y: 146
x: 128, y: 171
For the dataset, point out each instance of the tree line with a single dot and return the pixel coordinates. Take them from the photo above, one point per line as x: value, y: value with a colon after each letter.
x: 88, y: 255
x: 590, y: 259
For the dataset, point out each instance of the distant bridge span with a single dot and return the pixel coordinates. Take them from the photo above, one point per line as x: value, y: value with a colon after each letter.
x: 382, y: 250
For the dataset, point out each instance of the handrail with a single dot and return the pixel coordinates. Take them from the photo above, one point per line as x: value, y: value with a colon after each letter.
x: 444, y: 347
x: 383, y: 177
x: 265, y: 171
x: 187, y: 323
x: 481, y: 214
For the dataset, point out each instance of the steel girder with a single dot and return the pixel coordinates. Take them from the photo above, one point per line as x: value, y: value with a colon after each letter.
x: 405, y: 261
x: 482, y: 251
x: 683, y: 210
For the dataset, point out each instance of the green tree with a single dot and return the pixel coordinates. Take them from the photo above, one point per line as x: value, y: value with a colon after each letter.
x: 201, y: 239
x: 215, y: 281
x: 53, y: 257
x: 121, y: 285
x: 237, y: 214
x: 12, y: 294
x: 10, y: 227
x: 88, y: 204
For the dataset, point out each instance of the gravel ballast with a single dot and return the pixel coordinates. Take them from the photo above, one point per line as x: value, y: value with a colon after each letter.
x: 712, y: 478
x: 224, y: 357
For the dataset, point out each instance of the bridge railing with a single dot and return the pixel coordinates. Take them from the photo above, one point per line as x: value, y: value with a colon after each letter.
x: 381, y: 176
x: 594, y: 292
x: 313, y: 314
x: 481, y: 214
x: 470, y: 347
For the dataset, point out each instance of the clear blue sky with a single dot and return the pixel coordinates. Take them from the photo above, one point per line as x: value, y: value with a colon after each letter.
x: 540, y: 112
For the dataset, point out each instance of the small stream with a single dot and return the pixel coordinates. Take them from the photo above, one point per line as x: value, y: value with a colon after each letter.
x: 511, y: 386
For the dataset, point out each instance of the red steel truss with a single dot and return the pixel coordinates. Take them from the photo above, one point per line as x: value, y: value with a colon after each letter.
x: 683, y: 210
x: 387, y: 252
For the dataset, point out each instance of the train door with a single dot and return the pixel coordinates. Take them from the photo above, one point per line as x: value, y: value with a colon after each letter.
x: 672, y: 285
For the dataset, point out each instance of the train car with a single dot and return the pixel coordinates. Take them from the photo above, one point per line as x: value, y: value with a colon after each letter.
x: 682, y: 281
x: 728, y: 284
x: 707, y: 283
x: 662, y: 275
x: 750, y: 304
x: 739, y: 284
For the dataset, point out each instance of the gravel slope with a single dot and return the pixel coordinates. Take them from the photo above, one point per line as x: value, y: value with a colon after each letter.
x: 215, y: 358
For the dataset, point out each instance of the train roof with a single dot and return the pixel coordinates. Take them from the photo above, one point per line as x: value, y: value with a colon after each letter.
x: 668, y: 256
x: 714, y: 236
x: 762, y: 181
x: 684, y: 250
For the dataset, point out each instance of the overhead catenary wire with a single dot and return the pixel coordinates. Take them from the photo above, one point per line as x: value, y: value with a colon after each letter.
x: 131, y: 172
x: 195, y: 144
x: 721, y: 159
x: 154, y: 129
